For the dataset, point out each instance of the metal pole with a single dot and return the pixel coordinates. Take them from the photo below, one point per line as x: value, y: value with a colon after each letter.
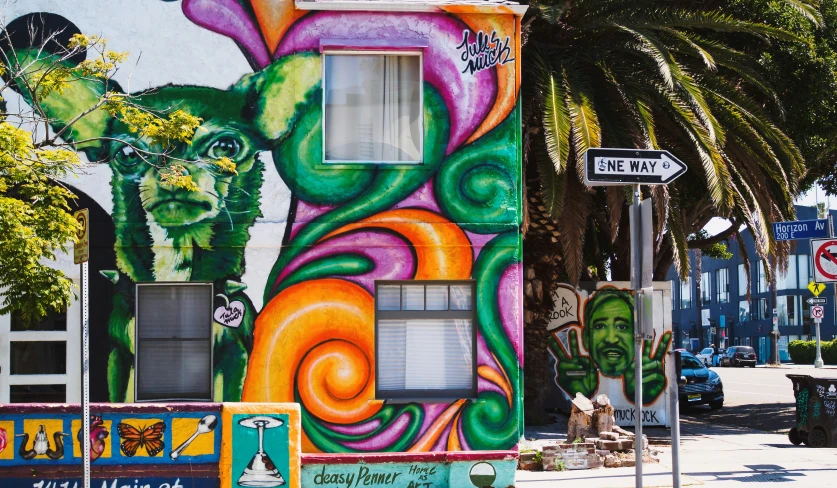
x: 85, y: 378
x: 674, y: 387
x: 636, y: 246
x: 818, y: 363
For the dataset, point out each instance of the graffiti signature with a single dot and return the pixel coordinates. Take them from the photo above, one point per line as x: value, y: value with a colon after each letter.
x: 485, y: 52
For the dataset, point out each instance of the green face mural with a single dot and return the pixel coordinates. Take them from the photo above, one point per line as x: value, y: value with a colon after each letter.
x: 610, y: 332
x: 606, y: 362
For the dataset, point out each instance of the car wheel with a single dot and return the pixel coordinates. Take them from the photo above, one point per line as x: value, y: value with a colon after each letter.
x: 716, y: 405
x: 817, y: 437
x: 794, y: 437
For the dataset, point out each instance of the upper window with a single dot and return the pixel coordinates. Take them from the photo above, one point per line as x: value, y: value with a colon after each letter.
x: 705, y: 289
x: 686, y: 292
x: 742, y: 281
x: 787, y: 280
x: 762, y: 278
x: 722, y: 285
x: 425, y: 340
x: 174, y: 342
x: 373, y: 107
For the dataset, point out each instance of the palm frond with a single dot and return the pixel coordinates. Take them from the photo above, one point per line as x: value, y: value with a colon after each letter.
x: 585, y: 129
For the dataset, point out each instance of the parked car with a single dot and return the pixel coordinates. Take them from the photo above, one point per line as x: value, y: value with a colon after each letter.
x: 703, y: 386
x: 740, y: 356
x: 707, y: 355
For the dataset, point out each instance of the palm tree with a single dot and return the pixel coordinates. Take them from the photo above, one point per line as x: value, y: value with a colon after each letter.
x: 671, y: 74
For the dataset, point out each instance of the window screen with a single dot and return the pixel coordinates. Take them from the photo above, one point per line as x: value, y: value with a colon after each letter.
x: 373, y: 108
x: 425, y: 340
x: 174, y: 342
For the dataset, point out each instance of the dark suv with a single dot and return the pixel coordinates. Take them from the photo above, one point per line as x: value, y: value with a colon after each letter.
x: 740, y: 356
x: 703, y: 386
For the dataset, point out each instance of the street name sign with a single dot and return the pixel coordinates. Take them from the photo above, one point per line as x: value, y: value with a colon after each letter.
x: 816, y: 301
x: 824, y: 257
x: 817, y: 312
x: 816, y: 288
x: 617, y: 167
x: 800, y: 229
x: 81, y: 249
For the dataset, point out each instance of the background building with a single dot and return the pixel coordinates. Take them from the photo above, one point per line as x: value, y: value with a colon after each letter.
x: 717, y: 300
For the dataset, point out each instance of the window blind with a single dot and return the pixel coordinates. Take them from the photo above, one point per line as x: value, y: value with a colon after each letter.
x: 174, y: 340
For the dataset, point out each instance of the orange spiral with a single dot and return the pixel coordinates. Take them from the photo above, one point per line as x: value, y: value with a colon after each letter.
x: 322, y: 330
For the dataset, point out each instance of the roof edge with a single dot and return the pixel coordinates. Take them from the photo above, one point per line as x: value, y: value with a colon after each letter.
x: 396, y: 6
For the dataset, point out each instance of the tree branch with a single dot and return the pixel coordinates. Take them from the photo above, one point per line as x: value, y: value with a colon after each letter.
x: 721, y: 236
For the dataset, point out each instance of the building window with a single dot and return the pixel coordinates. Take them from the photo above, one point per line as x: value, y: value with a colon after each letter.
x: 174, y: 341
x: 425, y: 340
x: 686, y: 293
x: 743, y: 311
x: 759, y: 309
x: 373, y: 107
x: 786, y: 310
x: 722, y: 285
x: 54, y: 321
x: 742, y: 281
x: 804, y: 270
x: 787, y: 280
x: 762, y: 278
x: 705, y: 289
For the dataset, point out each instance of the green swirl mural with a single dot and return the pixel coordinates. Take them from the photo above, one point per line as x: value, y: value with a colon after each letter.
x: 308, y: 336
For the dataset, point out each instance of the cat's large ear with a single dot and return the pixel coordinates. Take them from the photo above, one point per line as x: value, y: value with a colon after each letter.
x: 63, y: 106
x: 277, y: 94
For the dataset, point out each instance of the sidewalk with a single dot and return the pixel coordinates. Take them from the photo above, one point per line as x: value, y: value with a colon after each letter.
x: 711, y: 456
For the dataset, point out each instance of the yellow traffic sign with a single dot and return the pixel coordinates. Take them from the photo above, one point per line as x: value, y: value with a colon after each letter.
x: 816, y: 288
x: 81, y: 250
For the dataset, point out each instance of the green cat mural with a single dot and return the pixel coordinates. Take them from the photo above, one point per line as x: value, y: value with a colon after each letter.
x: 167, y: 234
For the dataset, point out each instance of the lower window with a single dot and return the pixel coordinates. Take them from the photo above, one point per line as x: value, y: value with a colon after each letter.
x: 174, y: 342
x: 425, y: 340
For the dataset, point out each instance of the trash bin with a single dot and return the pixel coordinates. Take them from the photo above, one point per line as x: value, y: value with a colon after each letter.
x: 816, y: 419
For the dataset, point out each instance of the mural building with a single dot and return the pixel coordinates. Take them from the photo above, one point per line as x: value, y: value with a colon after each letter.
x: 349, y: 296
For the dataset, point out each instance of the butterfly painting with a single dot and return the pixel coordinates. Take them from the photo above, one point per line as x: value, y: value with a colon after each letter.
x: 149, y: 438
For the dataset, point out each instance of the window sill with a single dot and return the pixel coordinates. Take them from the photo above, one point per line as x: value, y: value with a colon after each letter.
x: 398, y: 401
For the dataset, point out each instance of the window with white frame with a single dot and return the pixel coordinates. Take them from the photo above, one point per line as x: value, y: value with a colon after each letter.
x: 722, y: 285
x: 705, y: 289
x: 174, y: 341
x: 743, y: 311
x: 762, y: 278
x: 742, y: 281
x: 372, y: 107
x: 425, y: 339
x: 787, y: 280
x: 686, y: 293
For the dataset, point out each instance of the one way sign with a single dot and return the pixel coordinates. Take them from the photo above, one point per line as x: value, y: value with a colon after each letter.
x: 615, y: 167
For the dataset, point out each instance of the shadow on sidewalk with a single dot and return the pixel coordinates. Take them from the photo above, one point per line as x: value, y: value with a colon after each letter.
x: 769, y: 417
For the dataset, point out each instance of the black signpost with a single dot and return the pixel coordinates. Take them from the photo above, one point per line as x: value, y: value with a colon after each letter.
x: 620, y: 167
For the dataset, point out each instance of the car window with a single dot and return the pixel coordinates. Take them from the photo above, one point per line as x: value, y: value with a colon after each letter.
x: 748, y: 350
x: 689, y: 362
x: 707, y: 350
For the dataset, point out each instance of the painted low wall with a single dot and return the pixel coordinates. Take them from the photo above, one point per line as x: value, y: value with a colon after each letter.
x: 149, y: 446
x: 146, y: 445
x: 433, y: 470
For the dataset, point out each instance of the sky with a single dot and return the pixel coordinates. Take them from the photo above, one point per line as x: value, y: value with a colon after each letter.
x: 808, y: 199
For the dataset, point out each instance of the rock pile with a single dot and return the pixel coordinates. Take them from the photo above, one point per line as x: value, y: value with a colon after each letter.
x: 593, y: 439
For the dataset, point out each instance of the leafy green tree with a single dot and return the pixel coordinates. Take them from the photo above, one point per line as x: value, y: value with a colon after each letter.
x: 658, y: 74
x: 35, y: 219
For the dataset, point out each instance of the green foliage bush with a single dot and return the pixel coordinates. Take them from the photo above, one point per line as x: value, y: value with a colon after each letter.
x: 804, y: 352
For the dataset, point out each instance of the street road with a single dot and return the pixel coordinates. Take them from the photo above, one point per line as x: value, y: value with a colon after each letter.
x: 760, y: 398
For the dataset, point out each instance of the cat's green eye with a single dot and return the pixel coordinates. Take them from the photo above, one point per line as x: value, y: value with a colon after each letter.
x: 226, y: 147
x: 128, y: 156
